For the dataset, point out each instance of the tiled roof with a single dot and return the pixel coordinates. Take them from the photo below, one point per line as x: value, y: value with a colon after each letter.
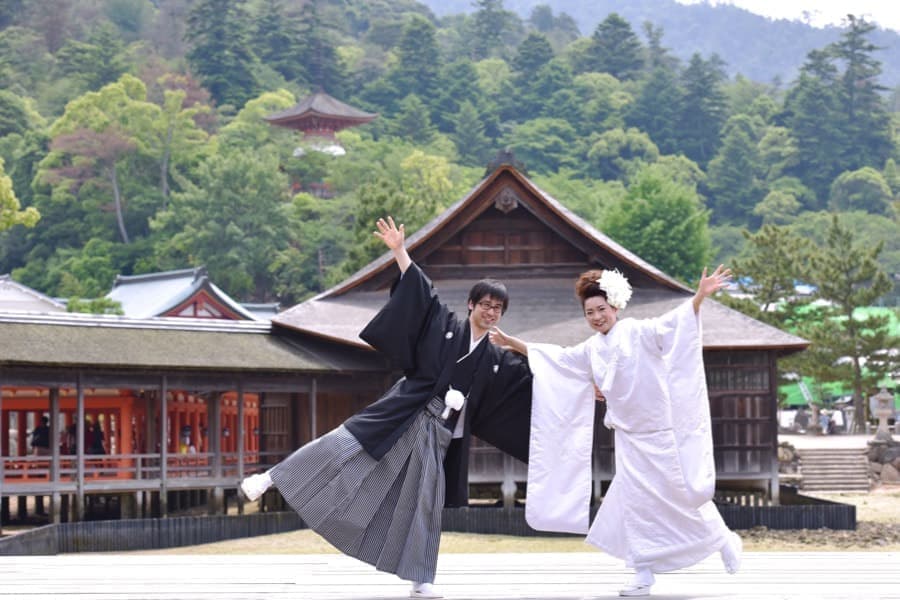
x: 154, y: 294
x: 73, y: 340
x: 321, y: 104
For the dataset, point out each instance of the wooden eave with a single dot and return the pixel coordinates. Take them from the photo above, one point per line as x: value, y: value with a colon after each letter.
x: 568, y: 226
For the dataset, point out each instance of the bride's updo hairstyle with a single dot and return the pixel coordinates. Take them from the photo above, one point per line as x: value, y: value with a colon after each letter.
x: 610, y: 284
x: 586, y: 286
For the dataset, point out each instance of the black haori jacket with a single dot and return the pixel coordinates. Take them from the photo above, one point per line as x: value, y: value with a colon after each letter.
x: 421, y: 336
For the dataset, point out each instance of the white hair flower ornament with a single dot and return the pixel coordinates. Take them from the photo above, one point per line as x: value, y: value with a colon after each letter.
x: 617, y: 288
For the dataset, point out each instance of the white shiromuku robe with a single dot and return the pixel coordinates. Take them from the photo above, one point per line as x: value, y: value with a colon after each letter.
x: 658, y: 511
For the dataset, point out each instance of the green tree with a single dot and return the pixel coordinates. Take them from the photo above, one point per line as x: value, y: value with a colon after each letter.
x: 533, y: 53
x: 663, y: 222
x: 543, y: 145
x: 235, y: 219
x: 847, y: 276
x: 864, y: 189
x: 318, y: 50
x: 615, y: 49
x: 813, y: 115
x: 220, y: 50
x: 768, y: 269
x: 455, y: 87
x: 868, y: 125
x: 777, y: 152
x: 413, y: 122
x: 418, y: 59
x: 420, y: 190
x: 657, y: 109
x: 734, y: 174
x: 777, y: 208
x: 96, y: 62
x: 489, y: 24
x: 588, y: 198
x: 276, y: 43
x: 324, y: 234
x: 472, y: 145
x: 616, y: 153
x: 10, y: 209
x: 703, y: 109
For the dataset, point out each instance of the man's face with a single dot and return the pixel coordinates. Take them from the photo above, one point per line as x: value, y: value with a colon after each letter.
x: 484, y: 314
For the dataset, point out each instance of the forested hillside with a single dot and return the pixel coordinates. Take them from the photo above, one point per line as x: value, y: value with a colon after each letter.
x: 135, y: 129
x: 754, y: 46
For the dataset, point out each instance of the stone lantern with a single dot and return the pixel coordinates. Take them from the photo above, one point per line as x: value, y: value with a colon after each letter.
x: 883, y: 404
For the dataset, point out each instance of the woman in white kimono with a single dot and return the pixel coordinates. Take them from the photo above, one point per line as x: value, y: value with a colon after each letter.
x: 657, y: 514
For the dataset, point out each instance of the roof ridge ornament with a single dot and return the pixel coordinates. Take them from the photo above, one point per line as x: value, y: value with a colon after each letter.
x: 507, y: 200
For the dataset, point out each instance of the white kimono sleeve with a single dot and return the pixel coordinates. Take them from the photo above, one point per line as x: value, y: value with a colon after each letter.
x: 562, y: 427
x: 679, y: 338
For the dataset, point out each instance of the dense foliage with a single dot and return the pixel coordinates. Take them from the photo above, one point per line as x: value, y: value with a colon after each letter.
x: 135, y: 129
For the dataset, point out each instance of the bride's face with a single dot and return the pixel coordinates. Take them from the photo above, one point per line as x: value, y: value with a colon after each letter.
x: 599, y: 314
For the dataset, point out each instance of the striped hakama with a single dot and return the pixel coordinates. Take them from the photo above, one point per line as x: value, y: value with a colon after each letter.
x: 385, y: 512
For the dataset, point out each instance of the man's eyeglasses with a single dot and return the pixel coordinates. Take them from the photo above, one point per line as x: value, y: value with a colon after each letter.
x: 488, y: 307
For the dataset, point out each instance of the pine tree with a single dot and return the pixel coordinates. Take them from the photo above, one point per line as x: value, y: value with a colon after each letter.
x: 657, y: 109
x: 703, y: 109
x: 868, y: 123
x: 615, y: 49
x: 847, y: 277
x: 220, y: 52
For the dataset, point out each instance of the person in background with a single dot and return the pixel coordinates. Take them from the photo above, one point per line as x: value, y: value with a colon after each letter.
x: 40, y: 438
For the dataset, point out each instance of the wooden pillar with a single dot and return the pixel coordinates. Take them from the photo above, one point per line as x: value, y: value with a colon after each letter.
x: 313, y: 390
x: 124, y: 440
x: 22, y: 426
x: 79, y: 444
x: 240, y: 436
x: 774, y: 482
x: 4, y: 444
x: 163, y: 447
x: 196, y: 439
x: 54, y: 454
x: 215, y: 447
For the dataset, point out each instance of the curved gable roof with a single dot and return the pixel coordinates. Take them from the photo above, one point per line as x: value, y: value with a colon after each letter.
x: 542, y: 305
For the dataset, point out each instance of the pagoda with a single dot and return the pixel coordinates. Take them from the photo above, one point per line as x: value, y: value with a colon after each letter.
x: 318, y: 117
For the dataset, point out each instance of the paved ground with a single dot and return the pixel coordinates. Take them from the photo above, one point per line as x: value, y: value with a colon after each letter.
x: 559, y: 576
x: 801, y: 441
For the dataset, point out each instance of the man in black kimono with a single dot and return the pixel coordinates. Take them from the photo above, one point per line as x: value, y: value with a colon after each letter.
x: 375, y: 486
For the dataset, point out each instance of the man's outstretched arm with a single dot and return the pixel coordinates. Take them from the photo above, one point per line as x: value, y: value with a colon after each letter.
x: 394, y: 238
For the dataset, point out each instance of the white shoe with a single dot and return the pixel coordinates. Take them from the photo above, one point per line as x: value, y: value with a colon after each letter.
x: 255, y: 485
x: 732, y: 552
x: 635, y: 589
x: 424, y: 590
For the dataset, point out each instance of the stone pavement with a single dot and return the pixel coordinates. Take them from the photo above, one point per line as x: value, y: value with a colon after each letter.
x: 557, y: 576
x: 803, y: 441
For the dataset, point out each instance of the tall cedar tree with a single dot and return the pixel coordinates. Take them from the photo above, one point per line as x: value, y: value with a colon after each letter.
x: 658, y: 108
x: 813, y: 114
x: 318, y: 53
x: 220, y: 53
x: 489, y: 25
x: 418, y: 60
x: 868, y: 133
x: 734, y: 174
x: 276, y: 43
x: 615, y: 49
x: 704, y: 109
